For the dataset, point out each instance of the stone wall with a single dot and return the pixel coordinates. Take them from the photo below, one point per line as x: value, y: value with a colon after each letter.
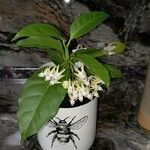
x: 129, y: 21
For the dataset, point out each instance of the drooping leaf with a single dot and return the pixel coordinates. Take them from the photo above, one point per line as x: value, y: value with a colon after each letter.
x: 94, y: 67
x: 86, y: 22
x: 41, y: 42
x: 91, y: 51
x: 38, y: 29
x: 37, y: 104
x: 114, y: 71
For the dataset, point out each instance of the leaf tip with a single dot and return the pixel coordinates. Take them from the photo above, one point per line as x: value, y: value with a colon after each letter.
x: 15, y: 38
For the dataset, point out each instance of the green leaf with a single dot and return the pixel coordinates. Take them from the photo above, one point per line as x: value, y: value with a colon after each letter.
x: 95, y: 67
x: 91, y: 51
x: 55, y: 56
x: 38, y: 29
x: 41, y: 42
x: 114, y: 71
x: 119, y: 47
x: 37, y: 104
x: 86, y: 22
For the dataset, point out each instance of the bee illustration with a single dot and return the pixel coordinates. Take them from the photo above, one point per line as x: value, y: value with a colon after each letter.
x: 63, y: 132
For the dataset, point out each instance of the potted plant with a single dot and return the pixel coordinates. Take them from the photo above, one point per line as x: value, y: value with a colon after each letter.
x: 59, y: 101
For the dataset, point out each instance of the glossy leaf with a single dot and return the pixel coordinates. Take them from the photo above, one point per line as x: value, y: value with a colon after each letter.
x: 55, y: 56
x: 86, y: 22
x: 41, y: 42
x: 95, y: 67
x: 114, y: 71
x: 38, y: 29
x: 37, y: 104
x: 91, y: 51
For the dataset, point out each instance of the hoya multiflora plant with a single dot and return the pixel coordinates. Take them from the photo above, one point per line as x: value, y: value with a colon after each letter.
x: 77, y: 74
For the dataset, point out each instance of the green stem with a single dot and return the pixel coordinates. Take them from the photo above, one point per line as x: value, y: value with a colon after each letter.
x: 68, y: 71
x: 66, y: 52
x: 67, y: 59
x: 69, y: 42
x: 71, y: 67
x: 72, y: 70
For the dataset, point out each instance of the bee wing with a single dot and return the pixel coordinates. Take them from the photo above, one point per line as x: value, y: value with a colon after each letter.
x: 78, y: 124
x: 51, y: 124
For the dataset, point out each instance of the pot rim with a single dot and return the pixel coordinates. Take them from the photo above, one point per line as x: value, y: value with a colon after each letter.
x: 95, y: 99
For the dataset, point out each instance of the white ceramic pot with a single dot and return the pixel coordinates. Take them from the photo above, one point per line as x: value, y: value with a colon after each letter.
x: 71, y: 129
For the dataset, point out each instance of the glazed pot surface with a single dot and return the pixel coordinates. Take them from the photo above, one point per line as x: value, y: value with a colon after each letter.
x: 71, y: 129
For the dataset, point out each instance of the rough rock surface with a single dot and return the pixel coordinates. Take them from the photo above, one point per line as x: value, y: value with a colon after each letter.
x: 117, y: 126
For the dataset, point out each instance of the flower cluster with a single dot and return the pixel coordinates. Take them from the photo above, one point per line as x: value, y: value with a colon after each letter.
x: 52, y: 75
x: 82, y: 85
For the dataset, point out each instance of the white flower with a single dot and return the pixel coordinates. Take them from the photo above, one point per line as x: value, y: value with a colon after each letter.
x: 77, y: 90
x: 95, y: 81
x: 74, y: 90
x: 95, y: 85
x: 72, y: 102
x: 44, y: 73
x: 95, y: 94
x: 82, y: 86
x: 80, y: 72
x: 78, y: 47
x: 65, y: 84
x: 78, y: 64
x: 109, y: 49
x: 52, y: 75
x: 90, y: 96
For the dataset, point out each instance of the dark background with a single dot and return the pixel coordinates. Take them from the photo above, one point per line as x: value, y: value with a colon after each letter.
x: 129, y: 21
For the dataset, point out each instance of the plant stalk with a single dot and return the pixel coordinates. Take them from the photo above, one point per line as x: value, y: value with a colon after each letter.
x: 66, y: 52
x: 69, y: 42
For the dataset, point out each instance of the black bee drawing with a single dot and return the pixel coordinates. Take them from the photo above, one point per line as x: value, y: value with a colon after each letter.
x: 63, y: 132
